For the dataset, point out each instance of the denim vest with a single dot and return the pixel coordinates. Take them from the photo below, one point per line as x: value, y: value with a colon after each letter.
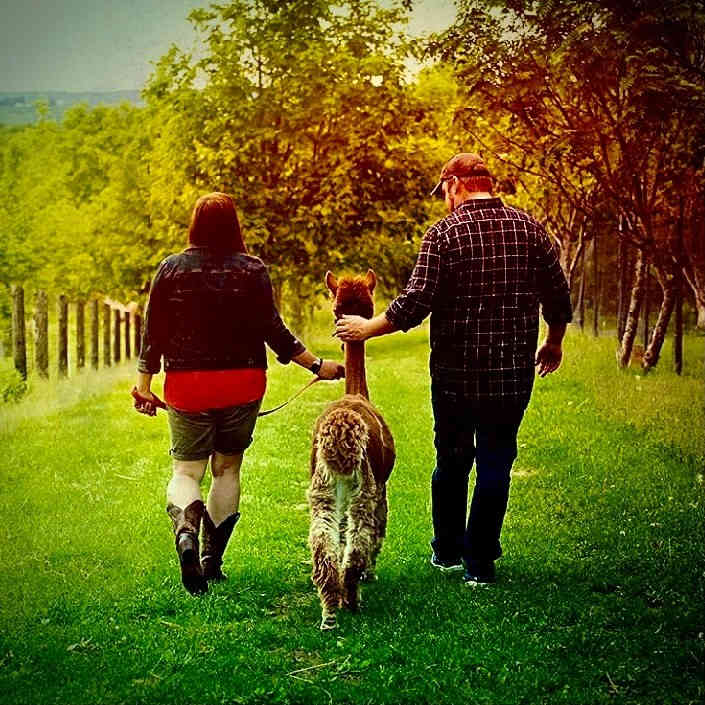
x: 210, y: 311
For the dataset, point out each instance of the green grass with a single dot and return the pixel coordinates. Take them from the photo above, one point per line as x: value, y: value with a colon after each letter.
x: 600, y: 593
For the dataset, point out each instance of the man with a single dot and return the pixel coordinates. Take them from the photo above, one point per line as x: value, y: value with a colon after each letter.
x: 481, y: 272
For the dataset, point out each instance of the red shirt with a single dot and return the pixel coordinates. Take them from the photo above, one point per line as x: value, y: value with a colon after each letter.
x: 200, y: 390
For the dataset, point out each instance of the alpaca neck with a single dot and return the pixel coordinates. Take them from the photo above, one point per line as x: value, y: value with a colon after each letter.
x: 355, y: 378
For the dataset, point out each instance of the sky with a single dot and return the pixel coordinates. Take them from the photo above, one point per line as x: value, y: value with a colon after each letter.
x: 107, y: 45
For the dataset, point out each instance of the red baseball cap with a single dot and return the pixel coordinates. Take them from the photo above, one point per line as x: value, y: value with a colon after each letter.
x: 465, y: 164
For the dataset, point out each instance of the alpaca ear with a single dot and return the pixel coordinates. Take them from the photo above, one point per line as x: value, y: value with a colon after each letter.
x: 332, y: 282
x: 370, y: 280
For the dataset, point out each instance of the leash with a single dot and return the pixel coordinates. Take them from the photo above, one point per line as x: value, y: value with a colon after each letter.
x: 159, y: 404
x: 288, y: 401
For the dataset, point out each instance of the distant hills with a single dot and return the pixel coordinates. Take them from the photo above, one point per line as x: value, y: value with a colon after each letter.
x: 18, y: 108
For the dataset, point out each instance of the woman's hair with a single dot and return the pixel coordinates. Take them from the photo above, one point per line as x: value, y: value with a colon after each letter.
x: 214, y: 224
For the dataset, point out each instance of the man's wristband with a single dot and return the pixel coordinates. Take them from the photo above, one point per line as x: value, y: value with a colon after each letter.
x: 316, y: 367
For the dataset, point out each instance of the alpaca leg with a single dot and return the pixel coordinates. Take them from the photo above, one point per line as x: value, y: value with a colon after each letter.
x: 380, y: 514
x: 358, y: 549
x: 343, y: 534
x: 324, y: 538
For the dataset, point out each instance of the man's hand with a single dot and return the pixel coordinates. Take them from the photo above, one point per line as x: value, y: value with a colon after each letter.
x: 352, y: 328
x: 548, y: 358
x: 331, y: 370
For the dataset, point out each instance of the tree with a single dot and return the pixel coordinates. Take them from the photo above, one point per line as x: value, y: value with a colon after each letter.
x: 301, y: 110
x: 600, y: 98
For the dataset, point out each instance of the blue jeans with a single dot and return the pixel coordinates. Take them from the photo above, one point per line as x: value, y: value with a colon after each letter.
x: 465, y: 433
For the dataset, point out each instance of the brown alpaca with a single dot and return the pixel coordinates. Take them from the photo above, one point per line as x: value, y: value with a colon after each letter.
x: 351, y: 460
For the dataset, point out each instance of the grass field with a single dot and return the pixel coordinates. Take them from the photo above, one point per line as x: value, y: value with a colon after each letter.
x: 600, y: 592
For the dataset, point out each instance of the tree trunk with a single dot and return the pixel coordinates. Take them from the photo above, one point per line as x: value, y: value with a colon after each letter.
x: 694, y: 273
x: 41, y: 333
x: 128, y: 340
x: 647, y: 306
x: 138, y: 334
x: 595, y: 289
x: 653, y: 351
x: 631, y: 323
x: 678, y: 328
x: 116, y: 336
x: 106, y: 335
x: 19, y: 341
x: 700, y: 306
x: 623, y: 286
x: 63, y: 316
x: 581, y: 293
x: 578, y: 257
x: 620, y: 284
x: 80, y: 335
x: 95, y: 341
x: 696, y: 284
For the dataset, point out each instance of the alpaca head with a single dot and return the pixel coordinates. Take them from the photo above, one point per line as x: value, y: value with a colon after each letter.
x: 352, y: 295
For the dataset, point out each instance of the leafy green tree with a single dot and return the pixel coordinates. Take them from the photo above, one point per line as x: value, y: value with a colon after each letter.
x: 302, y: 111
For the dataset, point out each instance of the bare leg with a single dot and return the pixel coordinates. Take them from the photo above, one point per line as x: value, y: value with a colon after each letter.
x: 224, y: 495
x: 185, y: 484
x: 185, y: 508
x: 221, y: 516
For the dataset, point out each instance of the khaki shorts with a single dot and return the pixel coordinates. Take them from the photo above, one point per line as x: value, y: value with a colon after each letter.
x: 196, y: 435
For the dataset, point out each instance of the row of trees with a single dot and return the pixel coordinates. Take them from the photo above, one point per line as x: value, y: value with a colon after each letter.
x: 595, y: 110
x: 591, y: 114
x: 299, y: 109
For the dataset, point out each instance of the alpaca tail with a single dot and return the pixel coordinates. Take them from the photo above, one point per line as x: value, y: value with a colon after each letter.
x: 342, y: 440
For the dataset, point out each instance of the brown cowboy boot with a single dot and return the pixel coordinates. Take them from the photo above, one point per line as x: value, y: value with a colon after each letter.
x: 187, y: 523
x: 215, y: 539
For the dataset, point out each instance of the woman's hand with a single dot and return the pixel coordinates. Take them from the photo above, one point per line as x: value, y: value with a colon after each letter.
x: 331, y: 370
x: 352, y: 328
x: 146, y: 402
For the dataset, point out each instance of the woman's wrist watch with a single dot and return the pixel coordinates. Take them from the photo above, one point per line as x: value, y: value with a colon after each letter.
x: 316, y: 367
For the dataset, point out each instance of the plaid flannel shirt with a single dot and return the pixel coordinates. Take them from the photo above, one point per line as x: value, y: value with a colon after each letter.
x: 482, y: 272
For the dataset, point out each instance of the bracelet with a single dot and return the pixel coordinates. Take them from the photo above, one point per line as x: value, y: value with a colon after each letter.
x: 316, y: 367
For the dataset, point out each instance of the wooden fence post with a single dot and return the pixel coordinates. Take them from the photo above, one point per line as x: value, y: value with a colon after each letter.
x: 138, y: 334
x: 19, y: 345
x: 116, y: 336
x: 41, y: 333
x: 128, y: 341
x: 63, y: 316
x: 80, y: 334
x: 106, y: 335
x: 94, y: 334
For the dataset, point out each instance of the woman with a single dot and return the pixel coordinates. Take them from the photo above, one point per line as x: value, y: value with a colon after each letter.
x: 210, y: 313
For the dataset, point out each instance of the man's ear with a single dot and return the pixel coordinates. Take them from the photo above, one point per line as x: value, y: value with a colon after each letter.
x: 371, y: 280
x: 332, y: 282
